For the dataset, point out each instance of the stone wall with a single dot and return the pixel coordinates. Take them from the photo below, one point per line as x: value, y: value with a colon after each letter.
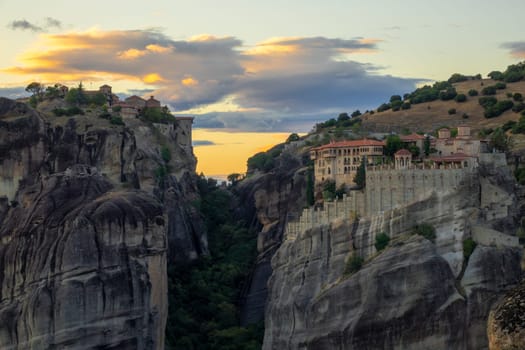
x: 387, y: 189
x: 393, y: 188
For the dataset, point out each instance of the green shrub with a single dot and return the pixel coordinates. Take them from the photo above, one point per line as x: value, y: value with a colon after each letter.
x: 468, y: 247
x: 517, y: 97
x: 426, y: 230
x: 406, y: 105
x: 396, y: 105
x: 460, y: 98
x: 394, y: 98
x: 452, y: 111
x: 498, y: 108
x: 518, y: 107
x: 116, y: 108
x: 500, y: 86
x: 487, y: 102
x: 165, y: 153
x: 353, y: 264
x: 59, y: 112
x: 116, y: 120
x: 489, y: 90
x: 448, y: 94
x: 383, y: 107
x: 509, y: 125
x: 457, y: 78
x: 33, y: 101
x: 465, y: 116
x: 382, y: 240
x: 496, y: 75
x: 473, y: 92
x: 105, y: 115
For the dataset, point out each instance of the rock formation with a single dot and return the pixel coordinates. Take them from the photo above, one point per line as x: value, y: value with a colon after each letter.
x: 417, y: 293
x: 89, y: 215
x: 506, y: 325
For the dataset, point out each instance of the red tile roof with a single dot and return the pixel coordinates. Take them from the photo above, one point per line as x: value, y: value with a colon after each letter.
x: 353, y: 143
x: 403, y: 152
x: 412, y: 137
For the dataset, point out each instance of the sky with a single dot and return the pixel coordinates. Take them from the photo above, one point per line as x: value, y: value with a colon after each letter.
x: 252, y: 72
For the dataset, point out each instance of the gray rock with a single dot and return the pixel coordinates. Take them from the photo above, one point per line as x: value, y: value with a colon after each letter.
x: 83, y: 266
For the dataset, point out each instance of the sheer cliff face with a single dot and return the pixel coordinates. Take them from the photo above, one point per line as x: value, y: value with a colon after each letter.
x: 86, y: 228
x: 83, y: 266
x: 416, y: 294
x: 267, y: 200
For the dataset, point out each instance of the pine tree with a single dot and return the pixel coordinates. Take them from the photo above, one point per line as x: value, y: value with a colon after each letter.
x: 360, y: 176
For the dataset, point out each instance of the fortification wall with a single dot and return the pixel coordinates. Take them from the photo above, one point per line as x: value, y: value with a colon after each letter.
x: 348, y: 207
x: 386, y: 189
x: 389, y: 188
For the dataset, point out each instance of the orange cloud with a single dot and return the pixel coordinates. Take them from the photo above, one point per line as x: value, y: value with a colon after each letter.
x: 131, y: 54
x: 152, y: 78
x: 189, y: 81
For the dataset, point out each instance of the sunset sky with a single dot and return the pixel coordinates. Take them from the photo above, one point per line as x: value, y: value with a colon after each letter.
x: 252, y: 72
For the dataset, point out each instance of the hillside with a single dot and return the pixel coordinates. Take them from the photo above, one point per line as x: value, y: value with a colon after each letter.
x: 428, y: 116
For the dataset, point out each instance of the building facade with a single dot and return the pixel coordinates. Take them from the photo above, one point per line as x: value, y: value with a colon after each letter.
x: 338, y: 161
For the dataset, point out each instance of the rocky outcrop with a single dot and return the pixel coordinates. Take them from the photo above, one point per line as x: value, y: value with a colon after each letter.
x: 83, y: 266
x: 130, y: 157
x: 506, y: 325
x: 417, y: 294
x: 90, y: 213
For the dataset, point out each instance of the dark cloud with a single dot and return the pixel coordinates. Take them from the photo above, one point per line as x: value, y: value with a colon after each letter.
x: 276, y: 85
x: 516, y: 48
x: 199, y: 143
x: 23, y: 24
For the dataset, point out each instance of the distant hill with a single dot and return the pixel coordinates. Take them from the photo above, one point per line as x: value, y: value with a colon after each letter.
x: 428, y: 116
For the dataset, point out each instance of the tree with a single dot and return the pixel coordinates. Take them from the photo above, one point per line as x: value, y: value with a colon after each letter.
x: 36, y: 89
x: 343, y: 117
x: 456, y: 78
x: 233, y: 178
x: 360, y: 175
x: 76, y: 96
x: 426, y: 145
x: 395, y: 98
x: 393, y: 144
x: 496, y: 75
x: 460, y: 98
x: 310, y: 198
x: 293, y: 137
x: 52, y: 91
x: 500, y: 141
x: 473, y: 92
x: 356, y: 113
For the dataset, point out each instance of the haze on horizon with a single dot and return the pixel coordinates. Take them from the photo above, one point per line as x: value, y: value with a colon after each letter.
x: 253, y: 73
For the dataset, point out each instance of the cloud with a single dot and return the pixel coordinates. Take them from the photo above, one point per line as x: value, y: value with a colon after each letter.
x: 52, y: 23
x: 516, y: 48
x: 23, y: 24
x: 198, y: 143
x: 277, y: 83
